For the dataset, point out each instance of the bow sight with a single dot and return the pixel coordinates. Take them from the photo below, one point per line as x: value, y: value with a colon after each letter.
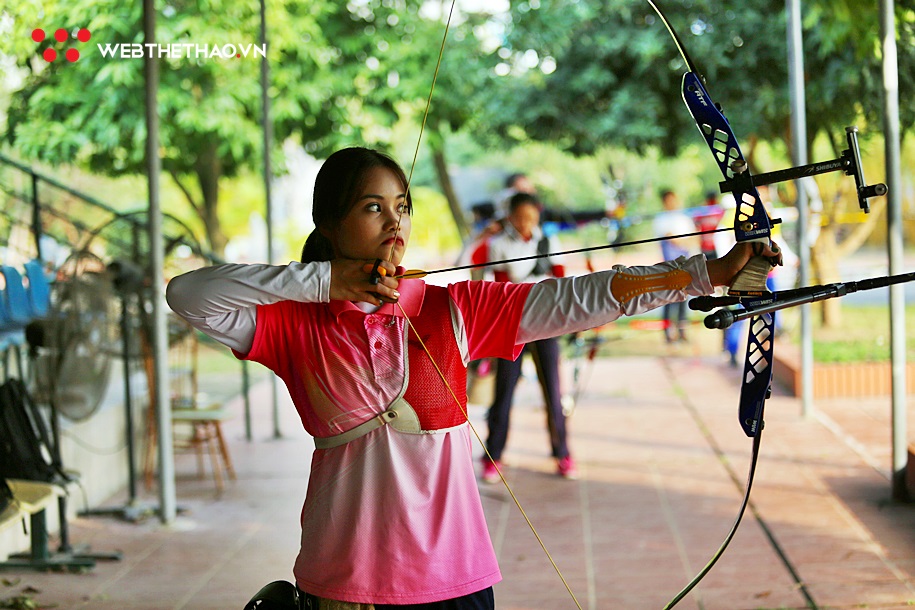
x: 849, y: 162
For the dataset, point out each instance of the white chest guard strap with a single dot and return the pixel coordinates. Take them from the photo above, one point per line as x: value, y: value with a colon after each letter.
x: 400, y: 415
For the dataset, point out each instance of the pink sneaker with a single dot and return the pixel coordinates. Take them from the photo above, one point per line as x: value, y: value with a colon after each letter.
x: 565, y: 467
x: 491, y: 471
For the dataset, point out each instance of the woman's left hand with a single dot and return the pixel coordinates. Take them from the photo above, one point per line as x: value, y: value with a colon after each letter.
x: 721, y: 271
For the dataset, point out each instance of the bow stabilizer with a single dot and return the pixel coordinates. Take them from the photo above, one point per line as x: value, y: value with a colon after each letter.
x: 783, y: 299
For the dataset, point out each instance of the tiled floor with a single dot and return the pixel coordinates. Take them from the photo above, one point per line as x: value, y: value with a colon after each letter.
x: 663, y: 464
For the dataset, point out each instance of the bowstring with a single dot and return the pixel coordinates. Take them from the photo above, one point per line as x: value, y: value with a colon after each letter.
x: 530, y: 524
x: 422, y: 127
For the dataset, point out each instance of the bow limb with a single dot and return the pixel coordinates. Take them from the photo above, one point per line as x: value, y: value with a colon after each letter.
x: 584, y: 351
x: 751, y: 223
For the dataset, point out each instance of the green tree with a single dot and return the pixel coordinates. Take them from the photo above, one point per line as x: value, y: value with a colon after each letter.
x: 583, y: 74
x: 591, y: 74
x: 92, y: 113
x: 465, y: 81
x: 844, y: 85
x: 391, y: 58
x: 335, y: 81
x: 587, y: 73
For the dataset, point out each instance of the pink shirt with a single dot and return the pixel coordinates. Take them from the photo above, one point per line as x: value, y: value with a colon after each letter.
x: 389, y: 518
x: 393, y: 517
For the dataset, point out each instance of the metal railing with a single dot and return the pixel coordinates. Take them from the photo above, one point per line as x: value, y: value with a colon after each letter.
x: 42, y: 218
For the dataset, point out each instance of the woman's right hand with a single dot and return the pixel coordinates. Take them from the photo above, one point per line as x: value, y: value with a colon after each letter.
x: 350, y: 280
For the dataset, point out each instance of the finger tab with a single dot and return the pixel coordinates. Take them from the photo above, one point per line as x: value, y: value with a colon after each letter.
x: 377, y: 272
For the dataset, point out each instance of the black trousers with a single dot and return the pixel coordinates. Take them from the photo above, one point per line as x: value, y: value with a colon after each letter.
x: 481, y: 600
x: 546, y: 358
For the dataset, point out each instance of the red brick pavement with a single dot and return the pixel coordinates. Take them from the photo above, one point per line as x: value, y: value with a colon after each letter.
x: 662, y: 462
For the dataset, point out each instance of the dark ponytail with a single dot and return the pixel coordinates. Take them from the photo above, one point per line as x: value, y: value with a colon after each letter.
x: 317, y: 248
x: 337, y: 185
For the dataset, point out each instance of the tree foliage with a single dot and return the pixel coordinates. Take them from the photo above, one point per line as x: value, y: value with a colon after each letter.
x: 590, y: 73
x: 334, y: 81
x: 583, y: 75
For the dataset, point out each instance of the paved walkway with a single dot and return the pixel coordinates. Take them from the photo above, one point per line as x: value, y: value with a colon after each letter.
x: 663, y: 464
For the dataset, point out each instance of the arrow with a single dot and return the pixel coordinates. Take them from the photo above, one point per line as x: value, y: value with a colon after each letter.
x: 413, y: 274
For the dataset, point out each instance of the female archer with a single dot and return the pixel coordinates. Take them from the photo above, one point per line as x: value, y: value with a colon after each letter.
x: 377, y: 371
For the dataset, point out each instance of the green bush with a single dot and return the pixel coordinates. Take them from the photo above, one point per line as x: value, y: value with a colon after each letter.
x: 864, y: 336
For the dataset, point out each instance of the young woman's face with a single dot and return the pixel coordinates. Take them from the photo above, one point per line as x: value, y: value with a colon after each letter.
x: 368, y: 230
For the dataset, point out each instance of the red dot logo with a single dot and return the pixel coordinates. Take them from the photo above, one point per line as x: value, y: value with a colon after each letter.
x: 61, y: 35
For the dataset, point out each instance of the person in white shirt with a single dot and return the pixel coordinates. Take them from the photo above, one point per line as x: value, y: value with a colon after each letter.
x: 522, y: 237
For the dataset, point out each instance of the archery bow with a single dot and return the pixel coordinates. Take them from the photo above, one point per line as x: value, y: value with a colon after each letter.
x: 751, y: 223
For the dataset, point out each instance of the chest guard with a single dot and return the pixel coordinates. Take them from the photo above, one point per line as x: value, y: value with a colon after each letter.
x: 426, y: 392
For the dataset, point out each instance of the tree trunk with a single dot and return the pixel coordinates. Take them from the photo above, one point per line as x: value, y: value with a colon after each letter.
x: 862, y: 230
x: 209, y: 171
x: 829, y: 251
x: 825, y: 261
x: 444, y: 181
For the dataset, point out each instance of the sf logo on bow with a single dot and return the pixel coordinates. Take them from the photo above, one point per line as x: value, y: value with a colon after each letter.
x: 61, y: 35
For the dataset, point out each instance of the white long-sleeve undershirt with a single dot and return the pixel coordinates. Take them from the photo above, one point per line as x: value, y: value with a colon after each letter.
x: 222, y: 301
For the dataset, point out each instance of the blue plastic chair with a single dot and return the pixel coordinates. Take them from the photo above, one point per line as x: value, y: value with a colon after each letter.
x: 39, y: 289
x: 16, y: 315
x: 6, y: 325
x: 17, y: 299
